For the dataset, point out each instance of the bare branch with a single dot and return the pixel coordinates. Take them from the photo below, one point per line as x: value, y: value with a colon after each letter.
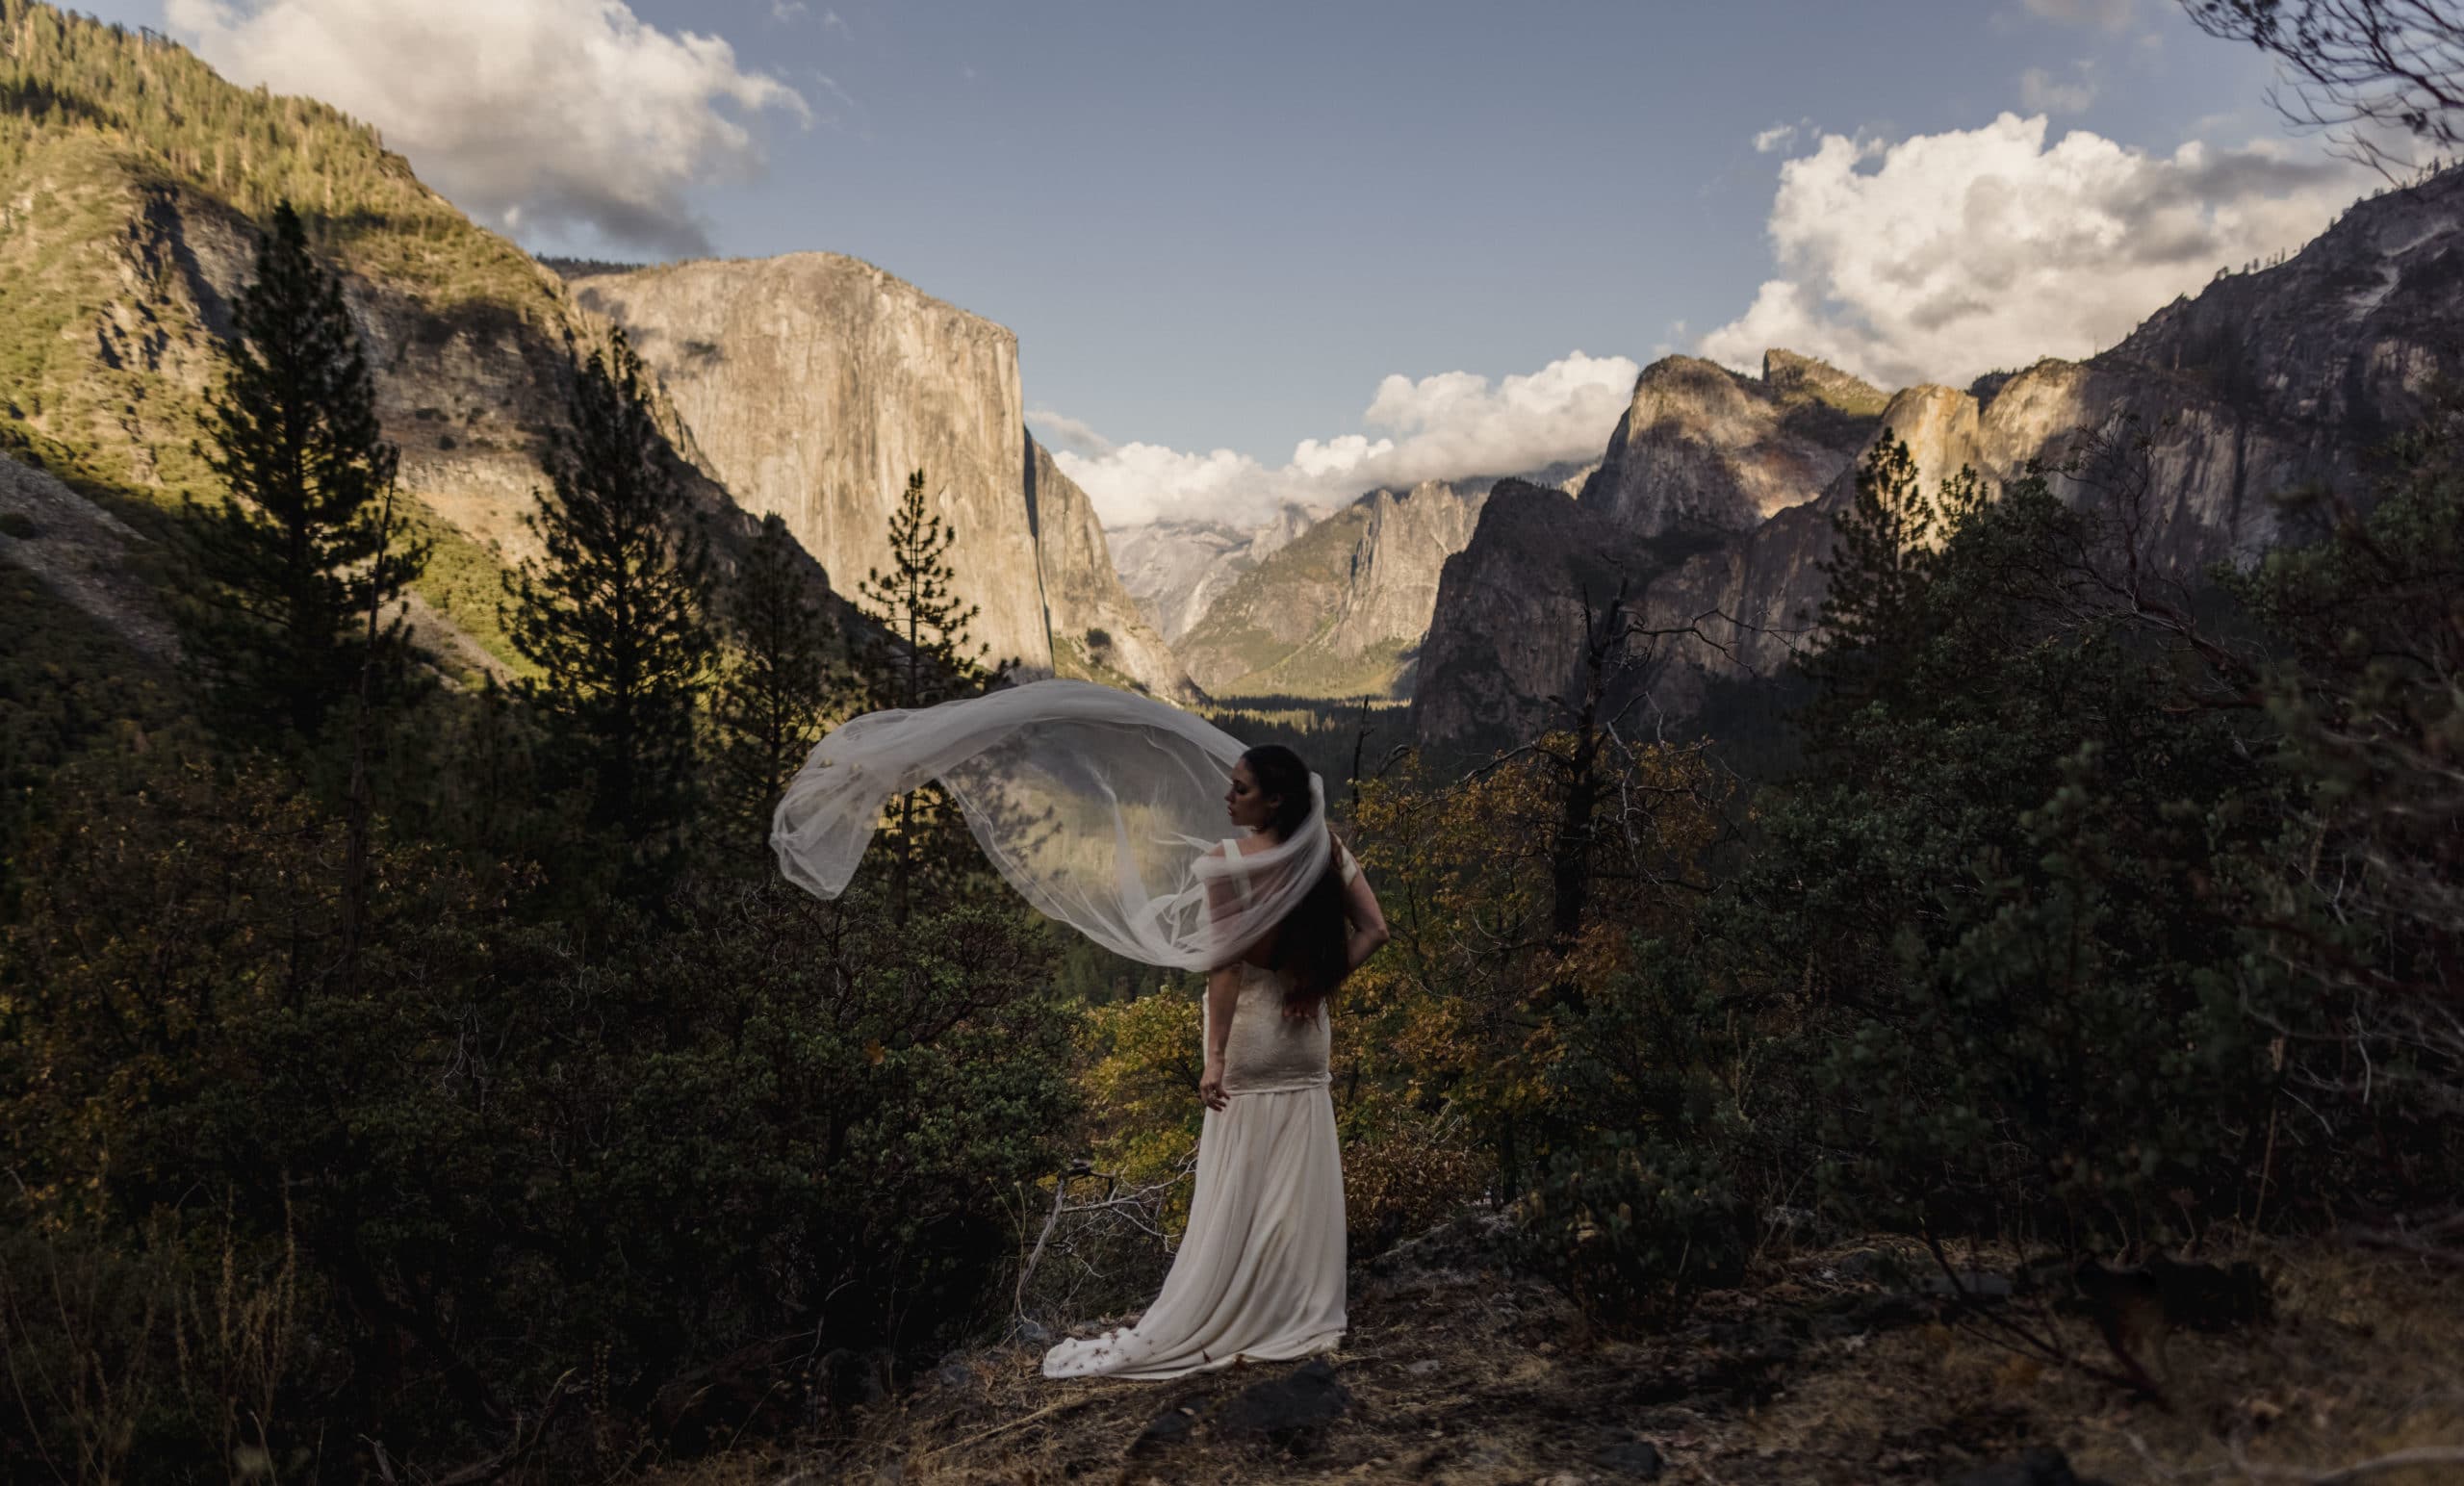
x: 2366, y: 71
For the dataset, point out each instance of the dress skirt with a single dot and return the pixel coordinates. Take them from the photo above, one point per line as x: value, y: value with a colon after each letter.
x: 1259, y: 1274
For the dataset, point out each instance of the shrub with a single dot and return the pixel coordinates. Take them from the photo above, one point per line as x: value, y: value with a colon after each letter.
x: 1634, y: 1230
x: 1404, y: 1173
x: 508, y: 1154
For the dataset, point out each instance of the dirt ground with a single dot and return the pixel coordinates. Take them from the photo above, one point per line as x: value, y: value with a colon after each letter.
x: 1840, y: 1364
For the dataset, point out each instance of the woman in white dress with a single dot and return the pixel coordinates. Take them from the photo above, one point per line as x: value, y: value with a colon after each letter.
x: 1099, y: 807
x: 1259, y: 1274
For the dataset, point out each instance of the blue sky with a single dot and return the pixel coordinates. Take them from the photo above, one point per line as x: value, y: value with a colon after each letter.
x: 1219, y: 231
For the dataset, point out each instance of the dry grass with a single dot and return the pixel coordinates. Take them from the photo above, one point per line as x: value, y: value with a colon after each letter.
x: 1469, y: 1376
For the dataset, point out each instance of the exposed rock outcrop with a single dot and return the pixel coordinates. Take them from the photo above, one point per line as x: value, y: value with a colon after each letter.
x: 1404, y: 543
x: 1175, y: 570
x: 1096, y: 628
x: 814, y: 383
x: 1702, y: 447
x: 130, y: 255
x: 81, y: 552
x: 2264, y: 383
x: 1495, y: 649
x: 1344, y: 608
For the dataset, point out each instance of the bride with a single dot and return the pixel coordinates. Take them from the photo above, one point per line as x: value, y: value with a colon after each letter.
x: 1260, y: 1271
x: 1093, y: 803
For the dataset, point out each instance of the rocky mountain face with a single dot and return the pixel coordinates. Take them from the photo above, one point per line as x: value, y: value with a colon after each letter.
x: 814, y: 383
x: 1342, y: 609
x: 128, y: 243
x: 1701, y: 447
x: 808, y: 385
x: 1175, y: 570
x: 1719, y: 512
x: 1097, y: 631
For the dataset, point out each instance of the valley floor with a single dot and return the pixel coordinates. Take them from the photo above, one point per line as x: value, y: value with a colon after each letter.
x: 1819, y: 1370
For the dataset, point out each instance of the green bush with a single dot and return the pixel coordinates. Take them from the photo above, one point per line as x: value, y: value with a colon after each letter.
x: 513, y: 1154
x: 1634, y: 1230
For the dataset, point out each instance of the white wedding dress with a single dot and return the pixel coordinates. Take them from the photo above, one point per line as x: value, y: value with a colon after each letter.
x: 1259, y: 1275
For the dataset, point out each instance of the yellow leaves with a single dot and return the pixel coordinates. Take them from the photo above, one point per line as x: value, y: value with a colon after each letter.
x: 1140, y: 1066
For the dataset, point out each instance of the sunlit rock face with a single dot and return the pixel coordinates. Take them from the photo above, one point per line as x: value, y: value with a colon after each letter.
x: 1719, y: 514
x: 1096, y: 626
x: 812, y: 384
x: 1342, y: 609
x: 1703, y: 447
x: 1175, y: 570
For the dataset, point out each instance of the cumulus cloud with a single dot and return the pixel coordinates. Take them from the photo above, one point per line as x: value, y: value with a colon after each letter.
x: 1965, y: 251
x: 537, y: 116
x: 1448, y: 426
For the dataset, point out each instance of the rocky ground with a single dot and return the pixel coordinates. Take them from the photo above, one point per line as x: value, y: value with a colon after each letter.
x: 1848, y: 1363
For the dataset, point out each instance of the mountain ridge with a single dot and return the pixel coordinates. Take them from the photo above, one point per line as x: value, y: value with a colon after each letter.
x: 2264, y: 382
x: 137, y: 175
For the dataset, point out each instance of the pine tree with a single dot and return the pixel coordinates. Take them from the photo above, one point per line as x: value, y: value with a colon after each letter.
x: 922, y: 656
x: 613, y: 615
x: 1891, y: 541
x: 770, y: 704
x: 291, y: 555
x: 919, y: 656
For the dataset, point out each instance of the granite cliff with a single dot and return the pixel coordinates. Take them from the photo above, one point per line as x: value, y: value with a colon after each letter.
x: 1097, y: 631
x: 132, y: 224
x: 1701, y: 447
x: 1715, y: 500
x: 1175, y: 570
x: 813, y: 383
x: 1342, y: 609
x: 808, y: 385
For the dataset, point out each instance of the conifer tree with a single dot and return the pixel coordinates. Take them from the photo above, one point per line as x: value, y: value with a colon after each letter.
x: 921, y: 654
x: 290, y: 554
x: 1891, y: 541
x: 770, y: 704
x: 613, y: 615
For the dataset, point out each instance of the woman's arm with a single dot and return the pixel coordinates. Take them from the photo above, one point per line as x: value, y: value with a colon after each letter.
x: 1222, y: 999
x: 1360, y: 907
x: 1222, y: 991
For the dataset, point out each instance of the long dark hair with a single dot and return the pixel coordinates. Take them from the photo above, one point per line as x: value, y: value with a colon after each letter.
x: 1312, y: 950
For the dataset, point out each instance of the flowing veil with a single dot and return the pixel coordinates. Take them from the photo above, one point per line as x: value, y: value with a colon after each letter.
x: 1103, y: 809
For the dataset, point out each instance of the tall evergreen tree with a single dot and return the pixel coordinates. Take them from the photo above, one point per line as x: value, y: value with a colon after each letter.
x: 770, y: 704
x: 923, y: 654
x: 920, y: 654
x: 291, y: 553
x: 613, y: 615
x: 1889, y: 549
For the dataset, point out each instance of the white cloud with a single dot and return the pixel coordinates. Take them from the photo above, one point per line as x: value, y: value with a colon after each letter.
x: 538, y: 115
x: 2042, y: 92
x: 1988, y: 247
x: 786, y: 10
x: 1448, y: 426
x: 1775, y: 137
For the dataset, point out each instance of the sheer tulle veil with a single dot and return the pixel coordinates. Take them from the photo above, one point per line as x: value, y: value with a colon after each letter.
x: 1103, y: 809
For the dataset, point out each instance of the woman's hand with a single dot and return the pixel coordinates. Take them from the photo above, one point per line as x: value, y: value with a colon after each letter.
x: 1209, y: 1085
